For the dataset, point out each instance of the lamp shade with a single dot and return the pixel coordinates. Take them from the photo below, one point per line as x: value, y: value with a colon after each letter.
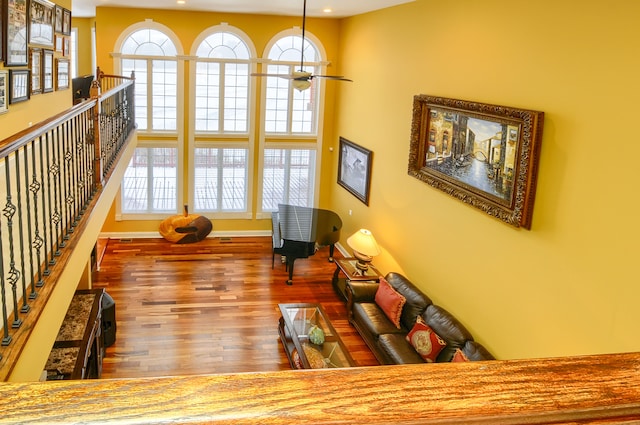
x: 364, y: 243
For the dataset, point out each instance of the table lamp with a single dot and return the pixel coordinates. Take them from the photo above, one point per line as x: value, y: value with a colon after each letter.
x: 364, y: 248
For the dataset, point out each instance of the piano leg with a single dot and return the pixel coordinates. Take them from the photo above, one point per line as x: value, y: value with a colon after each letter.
x: 290, y: 261
x: 331, y: 252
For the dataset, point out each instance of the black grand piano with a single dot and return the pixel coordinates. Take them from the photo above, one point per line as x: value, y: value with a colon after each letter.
x: 297, y: 231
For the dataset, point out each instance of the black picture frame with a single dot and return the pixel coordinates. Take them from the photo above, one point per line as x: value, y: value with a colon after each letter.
x: 35, y: 64
x: 15, y: 32
x: 4, y: 91
x: 66, y: 22
x: 484, y: 155
x: 42, y: 14
x: 62, y: 74
x: 47, y: 71
x: 57, y: 20
x: 18, y: 85
x: 354, y: 169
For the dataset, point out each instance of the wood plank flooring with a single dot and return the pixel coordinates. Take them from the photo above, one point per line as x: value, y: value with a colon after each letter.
x: 209, y: 307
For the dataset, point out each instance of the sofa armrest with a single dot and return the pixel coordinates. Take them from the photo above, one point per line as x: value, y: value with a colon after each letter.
x: 359, y: 292
x: 362, y: 292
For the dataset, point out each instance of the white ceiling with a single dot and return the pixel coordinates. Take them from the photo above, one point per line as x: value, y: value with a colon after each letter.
x: 340, y: 8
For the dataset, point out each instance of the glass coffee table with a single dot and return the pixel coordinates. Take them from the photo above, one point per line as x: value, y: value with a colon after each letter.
x: 295, y: 325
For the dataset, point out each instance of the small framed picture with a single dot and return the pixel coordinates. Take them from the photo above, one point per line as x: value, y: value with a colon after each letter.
x: 58, y: 19
x: 59, y: 43
x: 41, y: 23
x: 66, y: 22
x: 62, y: 74
x: 4, y: 89
x: 19, y: 85
x: 354, y: 169
x: 35, y: 64
x: 66, y: 47
x: 47, y: 71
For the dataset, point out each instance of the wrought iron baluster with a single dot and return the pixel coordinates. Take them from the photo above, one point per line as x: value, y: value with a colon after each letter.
x: 48, y: 222
x: 35, y: 186
x: 25, y: 305
x: 32, y: 218
x: 13, y: 276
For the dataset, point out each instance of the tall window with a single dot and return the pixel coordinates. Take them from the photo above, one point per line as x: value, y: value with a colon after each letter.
x: 152, y: 182
x: 289, y: 110
x: 152, y: 56
x: 222, y: 84
x: 289, y: 169
x: 288, y: 177
x: 220, y: 152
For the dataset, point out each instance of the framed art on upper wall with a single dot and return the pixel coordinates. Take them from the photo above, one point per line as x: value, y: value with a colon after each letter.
x: 62, y: 74
x: 16, y: 32
x: 35, y: 64
x: 4, y: 90
x: 41, y: 23
x: 484, y: 155
x: 18, y: 85
x: 354, y: 169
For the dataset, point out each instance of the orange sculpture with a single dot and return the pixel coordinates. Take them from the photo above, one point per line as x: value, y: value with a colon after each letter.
x: 185, y: 228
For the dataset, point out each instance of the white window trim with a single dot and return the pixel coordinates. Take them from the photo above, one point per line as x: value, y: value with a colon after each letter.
x: 296, y: 143
x: 223, y: 140
x: 172, y: 138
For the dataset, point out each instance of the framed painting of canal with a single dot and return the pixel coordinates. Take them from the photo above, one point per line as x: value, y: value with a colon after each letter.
x: 484, y: 155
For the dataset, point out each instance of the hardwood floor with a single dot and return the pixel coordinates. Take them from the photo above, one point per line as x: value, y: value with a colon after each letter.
x: 209, y: 307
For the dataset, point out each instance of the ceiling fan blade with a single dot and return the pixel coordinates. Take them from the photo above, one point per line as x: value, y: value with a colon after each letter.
x: 258, y: 74
x: 333, y: 77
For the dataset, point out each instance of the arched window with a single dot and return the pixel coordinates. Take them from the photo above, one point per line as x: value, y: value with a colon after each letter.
x: 152, y: 181
x: 287, y: 109
x: 290, y: 169
x: 221, y: 148
x: 151, y: 54
x: 222, y: 84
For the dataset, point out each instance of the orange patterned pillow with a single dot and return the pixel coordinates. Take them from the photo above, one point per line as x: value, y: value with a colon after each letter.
x: 390, y: 301
x: 425, y: 341
x: 459, y: 356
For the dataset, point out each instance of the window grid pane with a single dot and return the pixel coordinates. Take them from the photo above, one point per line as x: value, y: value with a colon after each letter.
x: 220, y: 176
x: 150, y: 181
x: 207, y: 96
x: 288, y: 177
x: 165, y: 82
x: 138, y: 66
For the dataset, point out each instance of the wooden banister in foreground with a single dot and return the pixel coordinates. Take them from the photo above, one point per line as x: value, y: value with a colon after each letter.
x: 587, y: 389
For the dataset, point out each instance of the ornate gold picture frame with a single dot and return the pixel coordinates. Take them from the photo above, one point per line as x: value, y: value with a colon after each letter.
x: 484, y: 155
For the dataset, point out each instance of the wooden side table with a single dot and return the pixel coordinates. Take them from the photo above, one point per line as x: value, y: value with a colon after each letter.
x: 348, y: 267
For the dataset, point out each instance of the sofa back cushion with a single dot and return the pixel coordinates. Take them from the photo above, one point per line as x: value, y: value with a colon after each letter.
x: 475, y: 351
x: 448, y: 328
x: 416, y: 302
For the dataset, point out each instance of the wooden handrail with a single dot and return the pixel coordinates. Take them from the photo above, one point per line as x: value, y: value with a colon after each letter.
x: 587, y: 389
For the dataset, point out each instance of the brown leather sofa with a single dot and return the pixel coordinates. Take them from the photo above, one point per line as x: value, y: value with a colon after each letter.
x: 388, y: 343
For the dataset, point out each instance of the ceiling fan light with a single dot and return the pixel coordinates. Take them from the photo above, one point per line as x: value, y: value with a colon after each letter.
x: 301, y: 85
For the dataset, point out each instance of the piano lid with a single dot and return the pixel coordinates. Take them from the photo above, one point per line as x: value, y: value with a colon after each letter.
x: 306, y: 224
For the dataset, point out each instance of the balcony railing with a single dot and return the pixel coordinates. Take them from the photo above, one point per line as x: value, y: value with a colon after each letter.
x: 53, y: 173
x: 56, y: 174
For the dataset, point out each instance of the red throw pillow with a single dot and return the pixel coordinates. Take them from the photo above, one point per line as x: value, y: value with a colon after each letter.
x: 390, y: 301
x: 425, y: 341
x: 459, y: 356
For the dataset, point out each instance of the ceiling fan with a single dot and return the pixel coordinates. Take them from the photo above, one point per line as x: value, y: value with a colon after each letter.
x: 301, y: 79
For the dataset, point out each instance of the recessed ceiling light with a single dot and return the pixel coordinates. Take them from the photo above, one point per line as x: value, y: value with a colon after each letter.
x: 327, y: 10
x: 181, y: 1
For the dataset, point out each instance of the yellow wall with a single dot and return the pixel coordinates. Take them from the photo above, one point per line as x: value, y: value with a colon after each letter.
x: 570, y: 284
x: 84, y: 26
x: 110, y: 24
x: 39, y: 107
